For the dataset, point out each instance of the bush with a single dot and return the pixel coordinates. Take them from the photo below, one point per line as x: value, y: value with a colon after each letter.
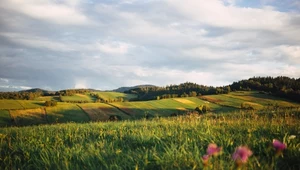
x: 50, y: 103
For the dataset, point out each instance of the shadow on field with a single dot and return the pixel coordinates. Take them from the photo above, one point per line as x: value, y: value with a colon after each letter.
x: 53, y: 115
x: 269, y: 96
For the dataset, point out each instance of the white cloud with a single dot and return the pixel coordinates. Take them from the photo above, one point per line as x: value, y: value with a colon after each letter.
x: 292, y: 53
x: 64, y: 14
x: 36, y: 42
x: 215, y: 13
x: 145, y: 42
x: 114, y: 47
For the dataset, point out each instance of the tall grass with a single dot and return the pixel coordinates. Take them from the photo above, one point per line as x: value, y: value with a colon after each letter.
x: 160, y: 143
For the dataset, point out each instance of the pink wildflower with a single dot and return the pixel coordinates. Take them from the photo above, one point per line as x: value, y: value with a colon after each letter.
x: 278, y: 145
x: 213, y: 149
x: 241, y: 154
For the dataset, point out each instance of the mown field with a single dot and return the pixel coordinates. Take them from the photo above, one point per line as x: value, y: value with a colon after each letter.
x: 78, y: 98
x: 160, y: 143
x: 102, y: 111
x: 19, y: 104
x: 114, y: 96
x: 254, y: 98
x: 166, y: 107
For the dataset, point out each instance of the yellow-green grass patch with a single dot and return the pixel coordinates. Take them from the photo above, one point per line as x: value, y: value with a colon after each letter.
x: 185, y: 101
x: 109, y: 96
x: 77, y: 98
x: 29, y: 116
x: 30, y: 104
x: 10, y: 104
x: 47, y: 98
x: 66, y: 112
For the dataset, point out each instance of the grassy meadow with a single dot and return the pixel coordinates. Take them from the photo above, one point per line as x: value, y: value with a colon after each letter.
x: 114, y: 96
x: 159, y: 143
x: 254, y: 98
x: 102, y: 111
x: 165, y: 107
x: 78, y: 98
x: 19, y: 104
x: 66, y: 112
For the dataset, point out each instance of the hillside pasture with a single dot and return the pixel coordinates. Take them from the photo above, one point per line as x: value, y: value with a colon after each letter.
x: 5, y: 119
x: 10, y: 104
x: 31, y: 104
x: 66, y: 112
x: 47, y: 98
x: 114, y: 96
x: 77, y: 98
x: 165, y: 107
x: 25, y: 117
x: 102, y: 111
x: 19, y: 104
x: 263, y: 99
x: 254, y: 98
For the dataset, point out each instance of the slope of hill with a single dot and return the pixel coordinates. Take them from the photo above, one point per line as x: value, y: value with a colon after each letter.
x: 25, y: 110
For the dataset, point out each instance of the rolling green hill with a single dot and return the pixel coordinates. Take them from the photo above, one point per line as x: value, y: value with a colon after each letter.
x: 107, y: 96
x: 78, y: 98
x: 30, y: 112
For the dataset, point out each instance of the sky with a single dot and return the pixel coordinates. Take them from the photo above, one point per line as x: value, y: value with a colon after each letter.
x: 106, y: 44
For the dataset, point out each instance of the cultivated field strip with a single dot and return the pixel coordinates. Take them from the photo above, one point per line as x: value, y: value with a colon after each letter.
x: 115, y: 95
x: 102, y: 111
x: 66, y: 112
x: 29, y: 117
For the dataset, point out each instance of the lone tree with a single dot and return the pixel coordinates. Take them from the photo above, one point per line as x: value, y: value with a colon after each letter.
x: 50, y: 103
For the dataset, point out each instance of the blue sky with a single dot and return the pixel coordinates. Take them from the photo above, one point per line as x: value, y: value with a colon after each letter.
x: 59, y: 44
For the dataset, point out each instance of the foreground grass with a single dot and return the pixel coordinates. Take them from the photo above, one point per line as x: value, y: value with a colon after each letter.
x: 160, y: 143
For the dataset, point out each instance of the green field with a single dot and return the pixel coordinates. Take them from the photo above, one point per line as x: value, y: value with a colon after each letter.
x: 66, y: 112
x: 5, y: 119
x: 77, y: 98
x: 114, y: 96
x: 102, y: 111
x: 47, y: 98
x: 259, y: 101
x: 29, y: 116
x: 19, y: 104
x: 166, y: 107
x: 160, y: 143
x: 83, y: 112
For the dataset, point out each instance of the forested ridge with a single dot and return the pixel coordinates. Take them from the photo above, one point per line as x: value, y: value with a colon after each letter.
x: 278, y: 86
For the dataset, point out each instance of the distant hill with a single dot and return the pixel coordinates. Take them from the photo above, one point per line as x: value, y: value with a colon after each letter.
x: 34, y: 90
x: 123, y: 89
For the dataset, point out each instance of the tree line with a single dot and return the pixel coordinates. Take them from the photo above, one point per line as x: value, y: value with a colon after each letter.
x: 280, y: 86
x: 187, y: 89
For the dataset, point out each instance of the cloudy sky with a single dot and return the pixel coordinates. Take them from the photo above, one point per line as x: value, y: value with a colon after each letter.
x: 105, y: 44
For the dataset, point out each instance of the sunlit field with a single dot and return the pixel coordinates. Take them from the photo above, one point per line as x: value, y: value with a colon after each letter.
x: 159, y: 143
x: 114, y: 96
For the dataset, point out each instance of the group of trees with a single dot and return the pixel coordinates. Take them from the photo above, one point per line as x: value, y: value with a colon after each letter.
x: 71, y: 92
x: 20, y: 95
x: 50, y: 103
x: 182, y: 90
x: 279, y: 86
